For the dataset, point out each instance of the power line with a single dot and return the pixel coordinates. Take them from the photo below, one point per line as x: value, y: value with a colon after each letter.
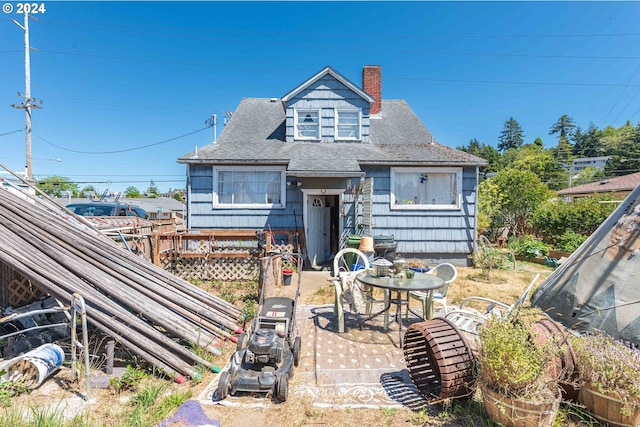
x: 12, y: 132
x: 200, y: 30
x: 290, y: 71
x: 620, y: 95
x: 124, y: 150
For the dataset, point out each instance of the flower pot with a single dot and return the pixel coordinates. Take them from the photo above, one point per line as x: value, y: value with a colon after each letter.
x: 606, y: 408
x: 286, y: 277
x: 512, y: 412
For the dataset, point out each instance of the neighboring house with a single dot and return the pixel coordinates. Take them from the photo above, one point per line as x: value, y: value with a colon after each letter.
x: 598, y: 163
x: 618, y: 187
x: 336, y: 159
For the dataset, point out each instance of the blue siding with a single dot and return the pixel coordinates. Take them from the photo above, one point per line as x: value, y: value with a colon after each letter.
x: 327, y: 94
x: 203, y: 215
x: 425, y: 231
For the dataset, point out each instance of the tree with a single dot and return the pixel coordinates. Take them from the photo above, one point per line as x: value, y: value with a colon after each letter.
x: 589, y: 143
x: 132, y: 192
x: 565, y: 128
x: 484, y: 151
x: 54, y: 185
x: 511, y: 136
x: 538, y: 142
x: 152, y: 191
x: 511, y: 198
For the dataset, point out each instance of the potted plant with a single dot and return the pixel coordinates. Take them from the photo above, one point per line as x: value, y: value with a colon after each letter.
x: 609, y: 374
x: 516, y: 388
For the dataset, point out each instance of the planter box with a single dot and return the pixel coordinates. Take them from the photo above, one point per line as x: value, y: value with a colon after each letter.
x: 559, y: 254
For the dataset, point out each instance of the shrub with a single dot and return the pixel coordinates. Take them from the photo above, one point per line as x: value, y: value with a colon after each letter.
x: 529, y: 247
x: 570, y: 241
x: 510, y: 363
x: 610, y: 366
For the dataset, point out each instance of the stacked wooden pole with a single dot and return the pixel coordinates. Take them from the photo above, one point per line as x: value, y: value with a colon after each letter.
x: 153, y: 313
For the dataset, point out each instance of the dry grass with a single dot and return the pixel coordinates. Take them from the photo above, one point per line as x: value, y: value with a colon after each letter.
x: 505, y: 286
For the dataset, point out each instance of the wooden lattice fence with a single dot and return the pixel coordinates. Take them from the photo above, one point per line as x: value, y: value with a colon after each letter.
x: 225, y: 255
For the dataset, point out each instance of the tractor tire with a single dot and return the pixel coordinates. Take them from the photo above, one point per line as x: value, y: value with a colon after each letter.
x: 224, y: 383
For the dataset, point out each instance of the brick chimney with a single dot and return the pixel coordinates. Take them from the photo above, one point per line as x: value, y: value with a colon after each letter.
x: 372, y: 84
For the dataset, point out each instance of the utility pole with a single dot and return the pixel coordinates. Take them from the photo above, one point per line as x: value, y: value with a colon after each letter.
x: 28, y: 103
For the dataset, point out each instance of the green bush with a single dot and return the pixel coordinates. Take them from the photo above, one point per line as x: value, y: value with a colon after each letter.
x: 570, y: 241
x: 554, y: 218
x: 529, y: 247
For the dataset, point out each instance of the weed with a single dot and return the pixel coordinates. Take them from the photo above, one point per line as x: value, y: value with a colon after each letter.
x: 169, y: 403
x: 129, y: 380
x: 388, y: 412
x: 250, y: 308
x: 419, y: 418
x: 10, y: 389
x: 43, y: 417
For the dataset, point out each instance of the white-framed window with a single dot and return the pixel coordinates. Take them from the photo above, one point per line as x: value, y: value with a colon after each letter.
x: 426, y: 188
x: 348, y: 125
x: 307, y: 124
x: 255, y: 187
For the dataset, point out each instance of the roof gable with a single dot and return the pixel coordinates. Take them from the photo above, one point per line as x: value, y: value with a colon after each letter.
x: 336, y: 75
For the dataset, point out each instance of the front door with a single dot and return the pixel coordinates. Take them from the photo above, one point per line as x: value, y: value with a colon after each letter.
x: 319, y: 229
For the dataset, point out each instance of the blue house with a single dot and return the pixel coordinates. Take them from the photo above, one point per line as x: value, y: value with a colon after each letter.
x: 336, y: 159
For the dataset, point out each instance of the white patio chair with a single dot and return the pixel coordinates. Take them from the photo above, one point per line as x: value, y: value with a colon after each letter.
x: 348, y: 290
x: 469, y: 319
x: 446, y: 272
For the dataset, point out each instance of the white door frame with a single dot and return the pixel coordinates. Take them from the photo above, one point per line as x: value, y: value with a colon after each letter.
x: 312, y: 192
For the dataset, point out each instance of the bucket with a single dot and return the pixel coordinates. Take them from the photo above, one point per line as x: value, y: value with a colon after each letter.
x: 35, y: 366
x: 286, y: 277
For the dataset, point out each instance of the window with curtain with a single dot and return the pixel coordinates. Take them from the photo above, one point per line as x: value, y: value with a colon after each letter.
x: 307, y: 124
x: 249, y: 188
x: 433, y: 188
x: 348, y: 124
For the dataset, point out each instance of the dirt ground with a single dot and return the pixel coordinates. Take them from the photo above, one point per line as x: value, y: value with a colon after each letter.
x: 298, y: 410
x: 503, y: 285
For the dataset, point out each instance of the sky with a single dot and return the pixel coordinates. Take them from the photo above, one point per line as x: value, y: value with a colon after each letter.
x: 126, y: 87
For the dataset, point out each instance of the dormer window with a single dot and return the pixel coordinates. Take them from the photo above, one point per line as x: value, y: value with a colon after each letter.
x: 348, y: 125
x: 308, y: 124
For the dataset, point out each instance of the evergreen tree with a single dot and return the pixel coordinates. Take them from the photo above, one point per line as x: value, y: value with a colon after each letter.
x: 565, y: 127
x: 511, y: 136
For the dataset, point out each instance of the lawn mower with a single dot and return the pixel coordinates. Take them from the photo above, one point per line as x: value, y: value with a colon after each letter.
x: 264, y: 362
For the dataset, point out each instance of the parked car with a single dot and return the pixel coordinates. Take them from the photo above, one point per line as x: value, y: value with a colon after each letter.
x: 106, y: 209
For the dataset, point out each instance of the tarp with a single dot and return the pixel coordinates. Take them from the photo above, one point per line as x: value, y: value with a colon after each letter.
x: 598, y: 286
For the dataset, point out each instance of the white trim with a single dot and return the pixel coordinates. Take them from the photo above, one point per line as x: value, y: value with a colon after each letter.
x: 283, y: 187
x: 312, y: 192
x: 456, y: 206
x: 336, y: 115
x: 296, y: 133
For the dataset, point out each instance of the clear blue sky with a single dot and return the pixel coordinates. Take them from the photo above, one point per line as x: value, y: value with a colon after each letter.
x: 117, y: 76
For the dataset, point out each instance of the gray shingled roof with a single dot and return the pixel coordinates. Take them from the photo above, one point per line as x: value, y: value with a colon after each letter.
x: 256, y: 134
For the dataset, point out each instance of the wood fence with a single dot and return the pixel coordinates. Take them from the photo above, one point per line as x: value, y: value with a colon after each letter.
x: 224, y: 255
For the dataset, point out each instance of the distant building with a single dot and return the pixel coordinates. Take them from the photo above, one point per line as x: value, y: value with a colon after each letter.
x: 597, y: 163
x: 618, y: 187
